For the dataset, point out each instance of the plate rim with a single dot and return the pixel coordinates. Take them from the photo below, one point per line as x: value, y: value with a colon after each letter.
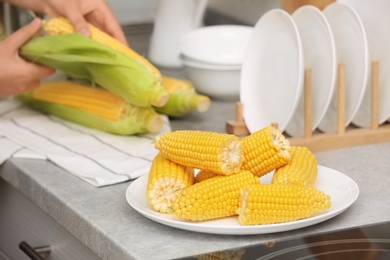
x: 238, y: 230
x: 293, y: 30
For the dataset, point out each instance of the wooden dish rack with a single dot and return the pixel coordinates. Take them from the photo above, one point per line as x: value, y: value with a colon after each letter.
x: 345, y: 136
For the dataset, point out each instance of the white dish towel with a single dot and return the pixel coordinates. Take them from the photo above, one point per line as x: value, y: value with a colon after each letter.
x: 96, y: 157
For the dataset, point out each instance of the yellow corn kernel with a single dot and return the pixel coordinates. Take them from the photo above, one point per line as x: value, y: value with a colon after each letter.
x: 301, y: 170
x: 204, y: 150
x: 166, y: 181
x: 213, y: 198
x: 205, y: 175
x: 93, y: 100
x: 61, y: 25
x: 277, y: 203
x: 265, y: 151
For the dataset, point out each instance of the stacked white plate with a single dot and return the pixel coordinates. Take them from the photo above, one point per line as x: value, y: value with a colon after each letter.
x: 375, y: 15
x: 320, y: 57
x: 352, y: 51
x: 283, y: 46
x: 272, y: 72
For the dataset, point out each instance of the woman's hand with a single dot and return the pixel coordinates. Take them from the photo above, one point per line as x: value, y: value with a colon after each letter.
x: 79, y: 12
x: 16, y: 74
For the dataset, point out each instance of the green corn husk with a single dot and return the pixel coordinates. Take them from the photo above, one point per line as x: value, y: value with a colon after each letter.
x: 183, y: 101
x: 85, y: 59
x: 135, y: 120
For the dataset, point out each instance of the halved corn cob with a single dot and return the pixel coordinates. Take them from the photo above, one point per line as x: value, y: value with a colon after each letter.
x: 265, y: 150
x: 213, y: 198
x: 204, y: 150
x: 301, y: 170
x: 183, y: 98
x: 88, y: 60
x: 276, y: 203
x: 92, y: 107
x: 166, y: 181
x: 61, y: 25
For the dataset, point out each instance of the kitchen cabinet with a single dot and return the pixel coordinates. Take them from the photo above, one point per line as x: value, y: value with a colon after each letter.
x: 21, y: 220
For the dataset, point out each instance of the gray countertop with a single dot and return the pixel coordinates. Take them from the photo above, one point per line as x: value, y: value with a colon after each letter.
x: 104, y: 222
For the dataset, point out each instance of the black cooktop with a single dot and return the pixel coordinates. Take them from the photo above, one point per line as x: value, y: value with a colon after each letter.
x: 371, y: 242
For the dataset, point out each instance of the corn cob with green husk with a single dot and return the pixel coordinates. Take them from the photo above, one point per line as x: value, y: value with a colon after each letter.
x: 92, y: 107
x: 61, y: 25
x: 217, y: 197
x: 277, y: 203
x: 182, y: 98
x: 166, y: 181
x: 83, y: 58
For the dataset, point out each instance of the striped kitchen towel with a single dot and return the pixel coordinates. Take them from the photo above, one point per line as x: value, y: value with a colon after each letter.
x: 94, y: 156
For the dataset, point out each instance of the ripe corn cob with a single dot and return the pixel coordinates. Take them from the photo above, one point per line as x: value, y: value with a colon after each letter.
x: 79, y: 107
x: 182, y: 98
x: 61, y: 25
x: 213, y: 198
x: 217, y: 152
x: 265, y: 151
x: 91, y: 99
x: 301, y: 170
x: 205, y: 175
x: 166, y: 181
x: 276, y: 203
x: 84, y: 59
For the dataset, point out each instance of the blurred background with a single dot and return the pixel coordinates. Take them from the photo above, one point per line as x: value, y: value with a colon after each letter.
x: 137, y: 16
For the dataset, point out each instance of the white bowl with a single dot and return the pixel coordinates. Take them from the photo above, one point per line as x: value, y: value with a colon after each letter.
x: 215, y: 81
x: 203, y: 64
x: 218, y: 44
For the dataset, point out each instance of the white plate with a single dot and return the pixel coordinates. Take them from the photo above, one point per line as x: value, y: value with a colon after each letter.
x: 319, y: 55
x: 375, y: 15
x: 351, y: 50
x: 342, y: 189
x: 272, y: 72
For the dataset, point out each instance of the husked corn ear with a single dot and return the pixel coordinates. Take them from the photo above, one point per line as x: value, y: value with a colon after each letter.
x: 166, y: 181
x: 204, y: 150
x: 61, y: 25
x: 205, y: 175
x: 91, y: 99
x: 213, y: 198
x: 182, y: 98
x: 265, y: 150
x: 301, y: 170
x: 276, y: 203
